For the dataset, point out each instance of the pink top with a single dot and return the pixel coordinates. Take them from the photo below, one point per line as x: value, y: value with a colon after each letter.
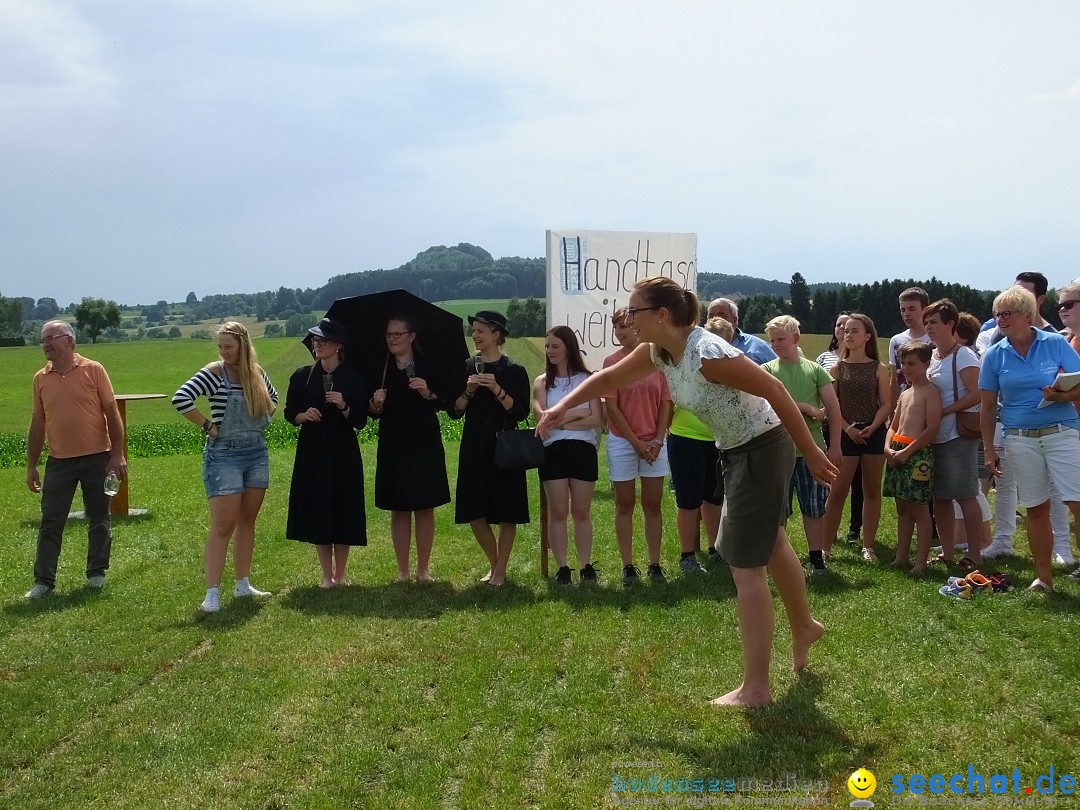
x: 639, y: 402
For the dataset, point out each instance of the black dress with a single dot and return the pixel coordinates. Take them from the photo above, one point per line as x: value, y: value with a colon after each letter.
x: 326, y: 497
x: 411, y: 471
x: 483, y: 490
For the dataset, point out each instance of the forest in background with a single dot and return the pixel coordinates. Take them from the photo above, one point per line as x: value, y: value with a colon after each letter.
x: 467, y: 271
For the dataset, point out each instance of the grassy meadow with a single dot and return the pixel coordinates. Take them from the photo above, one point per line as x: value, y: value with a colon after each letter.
x: 384, y: 695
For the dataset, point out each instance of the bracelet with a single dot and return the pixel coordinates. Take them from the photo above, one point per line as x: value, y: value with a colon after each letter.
x: 206, y: 426
x: 502, y: 395
x: 468, y: 394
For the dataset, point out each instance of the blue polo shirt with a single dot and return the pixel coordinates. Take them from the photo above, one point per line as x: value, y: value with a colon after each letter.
x: 753, y: 347
x: 1019, y: 380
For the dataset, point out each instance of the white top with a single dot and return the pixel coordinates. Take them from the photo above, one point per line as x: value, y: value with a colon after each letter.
x: 562, y: 387
x: 895, y: 343
x: 940, y: 374
x: 733, y: 417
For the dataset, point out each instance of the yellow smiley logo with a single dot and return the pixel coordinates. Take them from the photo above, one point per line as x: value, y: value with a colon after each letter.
x: 862, y: 784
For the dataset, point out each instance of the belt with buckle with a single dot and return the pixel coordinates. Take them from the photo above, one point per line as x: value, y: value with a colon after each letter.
x: 1035, y: 433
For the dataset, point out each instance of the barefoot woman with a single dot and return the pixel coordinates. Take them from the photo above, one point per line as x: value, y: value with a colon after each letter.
x: 744, y: 407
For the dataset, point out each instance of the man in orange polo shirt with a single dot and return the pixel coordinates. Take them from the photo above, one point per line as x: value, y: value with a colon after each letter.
x: 74, y: 407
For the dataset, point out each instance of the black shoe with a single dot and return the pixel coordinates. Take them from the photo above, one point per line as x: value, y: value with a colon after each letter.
x: 853, y: 539
x: 630, y: 575
x: 562, y: 576
x: 587, y: 574
x: 656, y: 574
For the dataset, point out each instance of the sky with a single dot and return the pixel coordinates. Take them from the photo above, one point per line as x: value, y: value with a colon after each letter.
x: 149, y: 149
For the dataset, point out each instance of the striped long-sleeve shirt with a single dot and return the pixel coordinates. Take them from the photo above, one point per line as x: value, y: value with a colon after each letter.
x: 207, y: 383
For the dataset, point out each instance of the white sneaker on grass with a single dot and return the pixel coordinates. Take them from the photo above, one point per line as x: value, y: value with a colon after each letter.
x: 245, y: 588
x: 996, y: 550
x: 39, y: 590
x: 212, y: 602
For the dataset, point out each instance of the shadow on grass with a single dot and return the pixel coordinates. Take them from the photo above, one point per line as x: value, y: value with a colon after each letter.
x: 52, y: 602
x: 405, y: 600
x: 234, y: 613
x: 790, y: 738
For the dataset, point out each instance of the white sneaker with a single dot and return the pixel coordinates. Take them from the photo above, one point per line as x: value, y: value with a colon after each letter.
x: 245, y: 588
x: 1064, y: 560
x: 96, y: 581
x: 39, y: 590
x: 995, y: 550
x: 212, y: 602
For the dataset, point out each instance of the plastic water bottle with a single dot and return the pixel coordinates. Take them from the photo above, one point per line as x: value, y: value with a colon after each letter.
x: 112, y: 484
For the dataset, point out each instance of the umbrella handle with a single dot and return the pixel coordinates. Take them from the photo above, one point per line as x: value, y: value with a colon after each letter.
x: 386, y: 365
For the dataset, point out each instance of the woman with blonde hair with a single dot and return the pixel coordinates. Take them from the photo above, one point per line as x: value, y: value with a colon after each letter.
x: 1040, y: 440
x: 236, y: 461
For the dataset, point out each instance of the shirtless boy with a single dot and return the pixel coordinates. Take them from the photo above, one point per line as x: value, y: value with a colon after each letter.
x: 908, y: 456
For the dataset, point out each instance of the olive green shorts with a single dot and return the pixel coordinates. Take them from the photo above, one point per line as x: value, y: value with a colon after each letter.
x: 757, y: 475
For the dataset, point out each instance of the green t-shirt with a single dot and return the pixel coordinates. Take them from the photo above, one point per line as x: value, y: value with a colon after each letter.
x: 804, y: 381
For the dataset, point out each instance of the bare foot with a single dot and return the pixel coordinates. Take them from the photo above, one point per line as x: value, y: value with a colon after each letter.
x: 917, y: 570
x: 496, y: 582
x: 424, y: 577
x: 744, y: 698
x: 801, y: 641
x: 898, y: 563
x: 327, y: 584
x: 402, y: 578
x: 340, y: 582
x: 486, y: 577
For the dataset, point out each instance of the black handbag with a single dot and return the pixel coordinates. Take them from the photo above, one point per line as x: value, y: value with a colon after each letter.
x: 517, y: 450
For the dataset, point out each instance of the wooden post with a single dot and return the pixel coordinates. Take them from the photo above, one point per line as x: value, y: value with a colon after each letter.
x: 119, y: 502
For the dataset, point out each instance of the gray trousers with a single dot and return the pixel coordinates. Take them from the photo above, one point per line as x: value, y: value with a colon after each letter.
x: 62, y: 475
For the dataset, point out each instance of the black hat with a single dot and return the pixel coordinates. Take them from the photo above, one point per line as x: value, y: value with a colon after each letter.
x: 491, y: 318
x: 328, y: 329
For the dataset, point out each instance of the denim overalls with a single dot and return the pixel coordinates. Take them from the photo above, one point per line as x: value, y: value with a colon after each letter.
x: 237, y: 458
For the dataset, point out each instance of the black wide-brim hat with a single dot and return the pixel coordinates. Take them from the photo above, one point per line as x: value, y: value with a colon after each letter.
x: 491, y: 318
x: 329, y: 330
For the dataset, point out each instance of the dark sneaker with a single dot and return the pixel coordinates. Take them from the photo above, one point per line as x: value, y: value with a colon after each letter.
x: 656, y: 574
x: 818, y: 571
x: 630, y: 575
x: 853, y: 539
x: 562, y: 576
x: 587, y: 574
x: 690, y: 565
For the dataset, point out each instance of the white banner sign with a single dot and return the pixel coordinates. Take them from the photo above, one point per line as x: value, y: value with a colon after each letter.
x: 591, y: 274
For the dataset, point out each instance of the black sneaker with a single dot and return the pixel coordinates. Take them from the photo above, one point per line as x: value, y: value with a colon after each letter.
x: 714, y: 555
x: 630, y: 575
x: 656, y: 574
x: 562, y: 576
x: 853, y: 539
x: 587, y: 574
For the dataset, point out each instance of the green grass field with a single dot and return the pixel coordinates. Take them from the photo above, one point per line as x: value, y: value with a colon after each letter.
x: 402, y: 696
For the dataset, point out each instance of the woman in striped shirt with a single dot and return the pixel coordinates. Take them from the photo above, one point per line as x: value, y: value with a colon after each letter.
x: 236, y: 461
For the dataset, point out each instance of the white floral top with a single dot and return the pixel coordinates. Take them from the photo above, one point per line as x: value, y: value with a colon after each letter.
x: 733, y: 417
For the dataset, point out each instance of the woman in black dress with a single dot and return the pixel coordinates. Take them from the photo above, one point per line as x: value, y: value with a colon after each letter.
x: 495, y: 398
x: 410, y: 478
x: 326, y: 498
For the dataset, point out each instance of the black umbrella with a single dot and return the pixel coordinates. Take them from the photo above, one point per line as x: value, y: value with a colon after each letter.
x: 440, y: 334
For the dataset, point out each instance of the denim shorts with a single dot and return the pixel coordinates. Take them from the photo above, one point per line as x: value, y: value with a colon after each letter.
x: 230, y: 467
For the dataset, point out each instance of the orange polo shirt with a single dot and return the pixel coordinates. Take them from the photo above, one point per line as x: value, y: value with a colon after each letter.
x: 73, y: 406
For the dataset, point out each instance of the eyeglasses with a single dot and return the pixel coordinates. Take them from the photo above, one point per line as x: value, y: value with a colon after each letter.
x: 631, y: 312
x: 396, y: 335
x: 1003, y: 316
x: 318, y: 341
x: 1065, y: 306
x: 51, y: 338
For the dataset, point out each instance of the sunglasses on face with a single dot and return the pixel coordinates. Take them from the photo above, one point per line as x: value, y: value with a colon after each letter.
x: 1065, y: 306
